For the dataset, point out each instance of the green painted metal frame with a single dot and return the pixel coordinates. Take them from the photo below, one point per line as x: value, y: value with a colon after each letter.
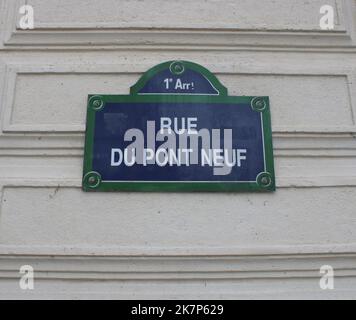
x: 265, y: 181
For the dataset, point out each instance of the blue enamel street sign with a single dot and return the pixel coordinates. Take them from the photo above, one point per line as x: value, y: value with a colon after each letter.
x: 178, y: 130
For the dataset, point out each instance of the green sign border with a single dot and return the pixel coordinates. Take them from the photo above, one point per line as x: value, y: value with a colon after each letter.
x: 265, y: 181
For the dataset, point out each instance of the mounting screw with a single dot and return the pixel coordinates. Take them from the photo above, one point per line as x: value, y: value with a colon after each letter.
x: 96, y: 103
x: 264, y: 179
x: 92, y: 180
x: 177, y: 68
x: 258, y: 104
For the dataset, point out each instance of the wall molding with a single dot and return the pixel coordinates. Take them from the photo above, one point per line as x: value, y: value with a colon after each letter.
x: 177, y: 267
x: 285, y: 144
x: 179, y: 277
x: 180, y: 38
x: 12, y: 71
x: 87, y: 35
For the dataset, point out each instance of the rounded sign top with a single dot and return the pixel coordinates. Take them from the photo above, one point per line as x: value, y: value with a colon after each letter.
x: 179, y: 78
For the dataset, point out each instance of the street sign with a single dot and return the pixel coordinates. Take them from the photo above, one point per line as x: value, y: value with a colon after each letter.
x: 178, y: 130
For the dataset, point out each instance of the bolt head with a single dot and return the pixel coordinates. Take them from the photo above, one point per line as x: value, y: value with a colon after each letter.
x: 259, y: 103
x: 96, y: 103
x: 92, y: 180
x: 177, y: 68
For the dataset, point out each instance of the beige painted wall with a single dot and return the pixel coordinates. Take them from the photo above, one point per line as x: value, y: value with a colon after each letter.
x: 174, y: 245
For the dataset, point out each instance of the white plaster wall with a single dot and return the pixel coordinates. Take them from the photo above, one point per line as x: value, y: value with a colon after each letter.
x: 245, y: 246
